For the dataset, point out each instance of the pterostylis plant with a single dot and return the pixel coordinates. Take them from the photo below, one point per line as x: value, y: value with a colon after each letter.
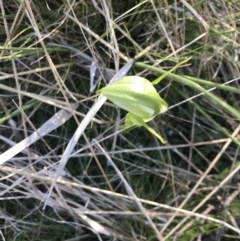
x: 139, y: 97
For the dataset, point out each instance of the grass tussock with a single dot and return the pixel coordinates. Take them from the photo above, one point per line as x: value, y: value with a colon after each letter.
x: 108, y: 184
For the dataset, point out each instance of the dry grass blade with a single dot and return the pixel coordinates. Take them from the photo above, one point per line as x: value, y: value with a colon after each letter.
x: 85, y: 122
x: 54, y: 122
